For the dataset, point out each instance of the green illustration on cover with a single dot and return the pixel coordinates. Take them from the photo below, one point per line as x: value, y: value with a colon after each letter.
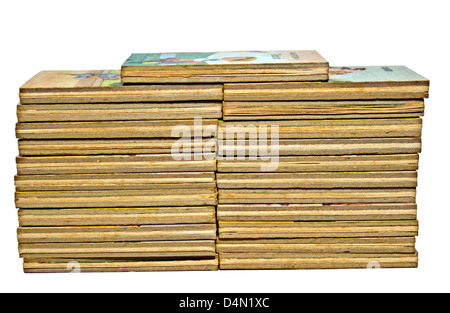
x: 213, y: 58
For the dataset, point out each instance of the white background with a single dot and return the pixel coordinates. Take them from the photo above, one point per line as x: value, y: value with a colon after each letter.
x: 86, y: 35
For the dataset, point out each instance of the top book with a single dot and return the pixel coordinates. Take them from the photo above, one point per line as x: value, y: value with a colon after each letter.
x: 222, y: 67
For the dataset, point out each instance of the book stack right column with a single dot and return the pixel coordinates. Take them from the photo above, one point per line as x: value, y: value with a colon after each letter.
x: 324, y: 174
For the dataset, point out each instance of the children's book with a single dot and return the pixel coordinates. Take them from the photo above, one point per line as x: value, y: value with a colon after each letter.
x: 231, y: 66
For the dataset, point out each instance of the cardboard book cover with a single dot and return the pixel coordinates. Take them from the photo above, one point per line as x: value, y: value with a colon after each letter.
x: 225, y: 66
x: 345, y: 83
x: 375, y: 74
x: 102, y: 86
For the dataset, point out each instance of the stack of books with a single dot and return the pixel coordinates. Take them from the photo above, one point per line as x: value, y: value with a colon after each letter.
x: 104, y: 180
x: 321, y: 174
x: 221, y: 160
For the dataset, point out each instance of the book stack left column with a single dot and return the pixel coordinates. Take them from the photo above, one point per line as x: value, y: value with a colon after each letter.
x: 113, y: 177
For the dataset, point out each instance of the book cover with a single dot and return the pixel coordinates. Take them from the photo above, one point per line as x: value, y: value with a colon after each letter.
x: 353, y: 74
x: 74, y: 79
x: 225, y: 58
